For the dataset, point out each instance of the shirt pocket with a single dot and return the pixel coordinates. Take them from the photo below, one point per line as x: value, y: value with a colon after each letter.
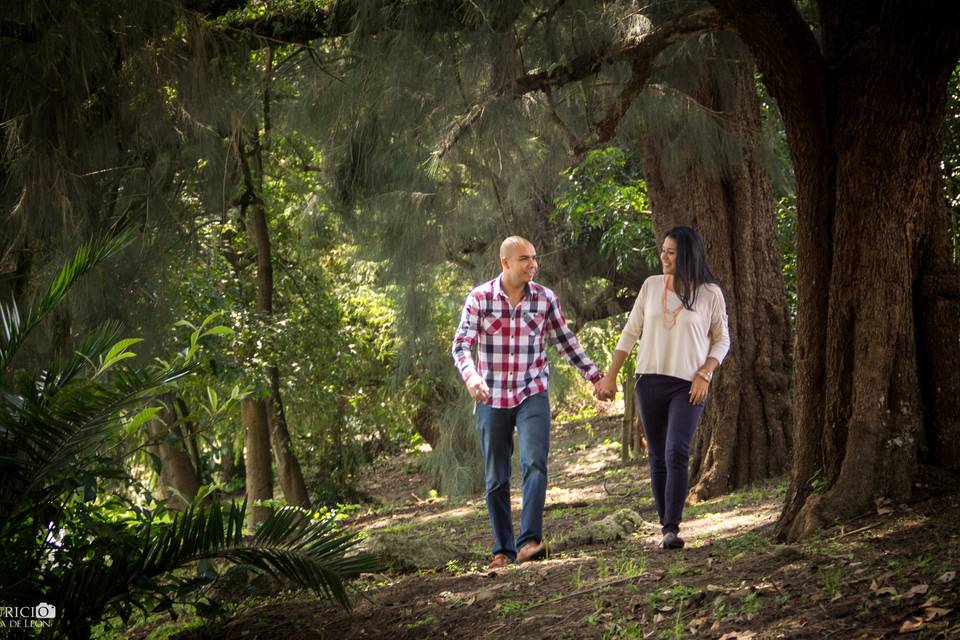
x: 493, y: 324
x: 532, y: 324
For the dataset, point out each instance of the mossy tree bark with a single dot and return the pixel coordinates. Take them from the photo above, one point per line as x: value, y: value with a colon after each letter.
x: 744, y: 435
x: 863, y: 105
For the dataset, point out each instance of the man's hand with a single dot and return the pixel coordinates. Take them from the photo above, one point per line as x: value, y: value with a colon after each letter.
x: 605, y: 388
x: 478, y: 389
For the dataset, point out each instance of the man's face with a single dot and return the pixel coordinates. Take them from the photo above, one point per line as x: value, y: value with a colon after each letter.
x: 521, y: 265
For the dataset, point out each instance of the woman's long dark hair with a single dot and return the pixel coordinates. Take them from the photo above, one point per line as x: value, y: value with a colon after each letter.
x: 692, y: 269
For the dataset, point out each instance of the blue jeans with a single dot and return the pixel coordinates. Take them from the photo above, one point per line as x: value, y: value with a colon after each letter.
x: 669, y: 421
x: 532, y: 420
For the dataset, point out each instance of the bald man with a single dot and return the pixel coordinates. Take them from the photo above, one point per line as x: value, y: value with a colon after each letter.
x: 509, y: 319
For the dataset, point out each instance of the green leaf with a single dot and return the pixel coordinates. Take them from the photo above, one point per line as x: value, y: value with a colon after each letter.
x: 140, y: 419
x: 219, y: 330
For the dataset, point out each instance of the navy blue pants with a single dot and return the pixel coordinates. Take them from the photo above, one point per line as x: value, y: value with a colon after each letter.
x: 669, y: 421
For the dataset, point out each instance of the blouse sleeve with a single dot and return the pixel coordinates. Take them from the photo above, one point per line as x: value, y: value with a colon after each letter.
x: 719, y: 334
x: 634, y: 327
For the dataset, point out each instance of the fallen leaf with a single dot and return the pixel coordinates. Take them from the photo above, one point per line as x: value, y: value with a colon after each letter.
x: 884, y: 506
x: 659, y: 618
x: 886, y: 591
x: 696, y: 623
x: 486, y: 594
x: 947, y: 576
x: 932, y: 600
x: 932, y: 613
x: 738, y: 635
x: 911, y: 625
x: 917, y: 590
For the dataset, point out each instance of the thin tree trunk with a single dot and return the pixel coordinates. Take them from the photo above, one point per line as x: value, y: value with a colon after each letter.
x: 228, y: 463
x: 288, y: 467
x: 178, y: 480
x: 188, y: 430
x: 259, y: 473
x: 744, y: 435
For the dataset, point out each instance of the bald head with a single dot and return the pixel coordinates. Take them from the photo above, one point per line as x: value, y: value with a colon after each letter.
x: 509, y: 246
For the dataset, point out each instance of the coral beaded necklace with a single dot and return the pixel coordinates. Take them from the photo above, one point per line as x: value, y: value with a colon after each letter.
x: 669, y: 315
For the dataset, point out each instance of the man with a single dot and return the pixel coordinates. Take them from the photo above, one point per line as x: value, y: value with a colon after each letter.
x: 509, y: 318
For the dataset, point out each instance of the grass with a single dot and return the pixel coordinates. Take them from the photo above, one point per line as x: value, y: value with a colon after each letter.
x: 754, y: 494
x: 751, y: 542
x: 831, y: 579
x: 630, y: 566
x: 421, y: 622
x: 751, y: 604
x: 507, y: 608
x: 674, y: 595
x: 578, y: 577
x: 678, y: 569
x: 622, y: 630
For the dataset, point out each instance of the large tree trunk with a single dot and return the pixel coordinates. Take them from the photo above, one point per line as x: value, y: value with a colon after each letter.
x: 259, y: 479
x: 178, y: 479
x: 744, y: 435
x: 875, y: 312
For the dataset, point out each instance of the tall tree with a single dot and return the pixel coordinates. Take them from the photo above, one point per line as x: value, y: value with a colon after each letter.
x: 863, y: 105
x: 705, y: 168
x: 288, y: 466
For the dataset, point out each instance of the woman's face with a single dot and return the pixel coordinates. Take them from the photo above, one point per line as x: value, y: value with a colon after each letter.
x: 668, y: 256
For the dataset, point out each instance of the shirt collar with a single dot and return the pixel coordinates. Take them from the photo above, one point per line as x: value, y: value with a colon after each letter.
x: 499, y: 292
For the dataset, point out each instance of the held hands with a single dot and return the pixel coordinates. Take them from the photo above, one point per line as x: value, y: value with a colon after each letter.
x: 478, y: 389
x: 605, y: 388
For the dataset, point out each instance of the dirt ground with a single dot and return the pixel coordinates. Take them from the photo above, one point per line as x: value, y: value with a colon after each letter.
x: 890, y: 574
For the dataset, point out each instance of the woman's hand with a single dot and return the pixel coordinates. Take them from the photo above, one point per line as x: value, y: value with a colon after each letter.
x: 605, y: 388
x: 699, y: 388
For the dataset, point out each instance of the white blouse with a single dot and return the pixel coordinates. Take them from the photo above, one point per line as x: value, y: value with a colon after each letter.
x: 683, y: 348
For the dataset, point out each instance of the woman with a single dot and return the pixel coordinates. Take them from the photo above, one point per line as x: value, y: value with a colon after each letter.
x: 681, y: 321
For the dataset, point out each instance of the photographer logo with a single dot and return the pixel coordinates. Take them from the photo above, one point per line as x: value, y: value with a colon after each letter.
x: 35, y: 617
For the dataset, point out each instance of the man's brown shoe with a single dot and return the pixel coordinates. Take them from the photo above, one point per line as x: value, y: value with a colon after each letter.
x: 531, y: 551
x: 500, y: 561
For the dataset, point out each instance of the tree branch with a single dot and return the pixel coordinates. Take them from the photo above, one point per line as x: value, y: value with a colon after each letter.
x: 639, y: 50
x: 796, y: 75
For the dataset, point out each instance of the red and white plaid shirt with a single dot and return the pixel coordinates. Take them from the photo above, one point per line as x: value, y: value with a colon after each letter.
x: 510, y: 342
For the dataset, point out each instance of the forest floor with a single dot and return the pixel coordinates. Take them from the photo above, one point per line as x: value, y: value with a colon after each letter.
x: 890, y: 574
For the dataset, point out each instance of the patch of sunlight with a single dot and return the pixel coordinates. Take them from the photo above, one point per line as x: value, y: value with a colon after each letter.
x: 462, y: 511
x: 467, y: 511
x: 725, y: 524
x: 576, y: 494
x: 588, y: 462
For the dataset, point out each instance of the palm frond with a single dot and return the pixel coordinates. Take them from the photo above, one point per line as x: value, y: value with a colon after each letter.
x: 291, y: 544
x: 69, y: 429
x: 14, y: 328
